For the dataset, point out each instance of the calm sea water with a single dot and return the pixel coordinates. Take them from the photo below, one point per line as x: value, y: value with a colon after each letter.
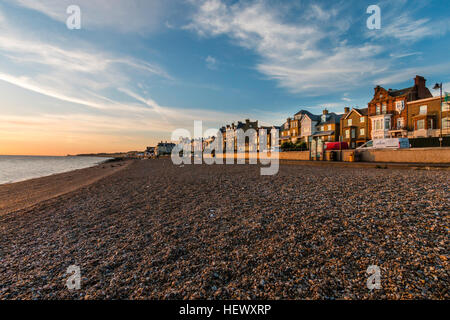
x: 20, y: 168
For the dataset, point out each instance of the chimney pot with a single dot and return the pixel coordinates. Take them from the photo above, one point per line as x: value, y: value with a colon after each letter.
x: 325, y: 112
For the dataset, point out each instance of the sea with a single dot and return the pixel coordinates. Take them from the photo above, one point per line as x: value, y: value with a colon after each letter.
x: 21, y: 168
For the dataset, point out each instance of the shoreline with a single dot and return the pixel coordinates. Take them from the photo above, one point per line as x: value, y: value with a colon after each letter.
x: 27, y: 193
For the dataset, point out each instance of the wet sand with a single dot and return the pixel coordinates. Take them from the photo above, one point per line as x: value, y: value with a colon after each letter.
x: 20, y: 195
x: 158, y: 231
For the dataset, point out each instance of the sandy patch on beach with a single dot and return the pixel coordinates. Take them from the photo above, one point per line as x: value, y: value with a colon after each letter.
x: 21, y: 195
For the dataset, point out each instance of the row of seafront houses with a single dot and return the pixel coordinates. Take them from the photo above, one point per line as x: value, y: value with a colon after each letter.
x: 410, y: 113
x: 407, y: 113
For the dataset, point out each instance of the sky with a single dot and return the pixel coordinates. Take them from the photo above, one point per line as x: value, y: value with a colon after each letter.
x: 137, y: 70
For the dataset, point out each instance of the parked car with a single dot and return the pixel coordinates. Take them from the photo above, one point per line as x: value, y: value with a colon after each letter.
x: 336, y: 146
x: 393, y: 143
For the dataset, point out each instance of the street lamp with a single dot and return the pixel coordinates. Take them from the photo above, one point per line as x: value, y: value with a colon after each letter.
x: 439, y: 86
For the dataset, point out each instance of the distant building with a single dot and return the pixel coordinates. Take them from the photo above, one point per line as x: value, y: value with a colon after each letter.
x: 268, y: 131
x: 328, y: 129
x: 355, y: 127
x: 150, y: 151
x: 299, y: 128
x: 164, y: 148
x: 230, y: 130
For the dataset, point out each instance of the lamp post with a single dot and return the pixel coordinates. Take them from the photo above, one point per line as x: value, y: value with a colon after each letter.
x: 439, y: 86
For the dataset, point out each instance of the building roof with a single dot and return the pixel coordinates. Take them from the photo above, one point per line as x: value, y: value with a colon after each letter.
x: 362, y: 112
x: 309, y: 114
x: 331, y: 118
x: 401, y: 92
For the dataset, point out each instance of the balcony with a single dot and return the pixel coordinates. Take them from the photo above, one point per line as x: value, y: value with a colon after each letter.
x: 424, y: 133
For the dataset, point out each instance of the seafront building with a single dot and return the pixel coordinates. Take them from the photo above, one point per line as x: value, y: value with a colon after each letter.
x: 410, y: 112
x: 424, y: 118
x: 164, y: 148
x: 299, y: 128
x: 388, y: 110
x: 328, y: 127
x: 355, y: 127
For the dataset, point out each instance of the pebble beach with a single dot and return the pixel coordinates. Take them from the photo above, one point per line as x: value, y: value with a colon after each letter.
x: 152, y: 230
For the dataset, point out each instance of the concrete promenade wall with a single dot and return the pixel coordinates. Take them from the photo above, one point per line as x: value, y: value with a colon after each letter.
x: 417, y: 155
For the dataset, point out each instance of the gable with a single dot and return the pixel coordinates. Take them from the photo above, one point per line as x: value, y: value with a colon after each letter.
x: 353, y: 111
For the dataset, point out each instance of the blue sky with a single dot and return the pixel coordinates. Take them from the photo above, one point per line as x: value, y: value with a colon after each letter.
x: 139, y: 69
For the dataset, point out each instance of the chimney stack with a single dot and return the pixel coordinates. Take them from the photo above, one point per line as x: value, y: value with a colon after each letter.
x: 420, y: 84
x: 346, y: 110
x: 420, y: 81
x: 325, y: 111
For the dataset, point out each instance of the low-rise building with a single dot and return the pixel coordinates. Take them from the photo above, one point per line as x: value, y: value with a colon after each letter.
x: 425, y: 120
x: 230, y: 130
x: 355, y: 127
x: 328, y: 129
x: 308, y: 126
x: 164, y: 148
x: 150, y: 151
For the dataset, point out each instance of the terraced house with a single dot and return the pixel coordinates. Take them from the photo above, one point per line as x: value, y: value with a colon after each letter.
x: 388, y: 112
x: 424, y: 118
x: 328, y: 128
x: 355, y: 127
x: 290, y: 131
x: 308, y: 126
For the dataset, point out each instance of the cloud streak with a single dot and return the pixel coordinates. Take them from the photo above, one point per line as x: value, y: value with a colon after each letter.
x: 293, y: 53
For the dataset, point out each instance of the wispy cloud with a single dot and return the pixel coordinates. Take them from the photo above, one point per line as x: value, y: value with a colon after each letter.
x: 293, y: 52
x: 137, y: 16
x: 211, y: 63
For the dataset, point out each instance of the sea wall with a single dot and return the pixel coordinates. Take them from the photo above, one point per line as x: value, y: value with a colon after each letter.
x: 419, y: 155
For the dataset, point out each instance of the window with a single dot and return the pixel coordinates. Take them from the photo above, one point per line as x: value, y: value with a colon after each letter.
x: 349, y: 122
x: 446, y: 123
x: 420, y: 124
x: 400, y: 123
x: 445, y: 106
x: 362, y: 120
x: 376, y: 124
x: 362, y: 132
x: 347, y: 134
x: 378, y: 109
x: 384, y: 108
x: 330, y: 127
x: 387, y: 124
x: 322, y: 128
x: 423, y: 110
x: 400, y: 106
x: 353, y: 133
x: 324, y: 118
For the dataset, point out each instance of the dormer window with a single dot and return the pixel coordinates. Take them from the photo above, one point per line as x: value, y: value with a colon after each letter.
x: 324, y: 118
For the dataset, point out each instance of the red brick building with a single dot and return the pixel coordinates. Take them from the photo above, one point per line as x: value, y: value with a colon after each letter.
x: 388, y: 112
